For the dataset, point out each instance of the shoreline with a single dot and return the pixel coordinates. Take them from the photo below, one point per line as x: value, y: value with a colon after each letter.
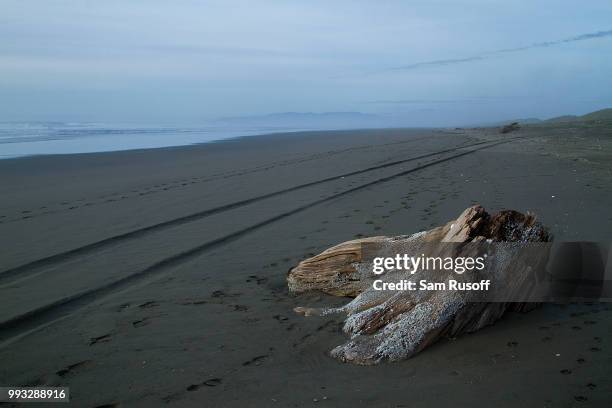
x: 282, y: 133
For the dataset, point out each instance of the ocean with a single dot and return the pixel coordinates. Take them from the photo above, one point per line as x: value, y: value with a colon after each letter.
x: 18, y: 139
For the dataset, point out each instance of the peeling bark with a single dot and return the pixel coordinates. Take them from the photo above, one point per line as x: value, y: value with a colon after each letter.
x: 394, y: 325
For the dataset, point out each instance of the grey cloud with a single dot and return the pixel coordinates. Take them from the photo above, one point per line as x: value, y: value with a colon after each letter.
x: 485, y: 55
x: 437, y: 63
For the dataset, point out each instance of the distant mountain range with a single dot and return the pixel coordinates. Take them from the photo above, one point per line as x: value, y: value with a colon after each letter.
x: 359, y: 120
x: 309, y: 120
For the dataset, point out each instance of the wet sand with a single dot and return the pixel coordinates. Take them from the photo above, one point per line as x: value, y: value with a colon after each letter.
x: 157, y: 277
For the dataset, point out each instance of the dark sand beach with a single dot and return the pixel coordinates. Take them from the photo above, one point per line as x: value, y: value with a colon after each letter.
x: 158, y: 277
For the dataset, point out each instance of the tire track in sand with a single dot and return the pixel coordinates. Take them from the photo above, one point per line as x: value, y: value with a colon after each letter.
x: 19, y: 326
x: 35, y: 266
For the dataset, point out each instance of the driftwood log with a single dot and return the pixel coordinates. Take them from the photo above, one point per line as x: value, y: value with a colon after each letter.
x: 510, y: 128
x: 394, y: 325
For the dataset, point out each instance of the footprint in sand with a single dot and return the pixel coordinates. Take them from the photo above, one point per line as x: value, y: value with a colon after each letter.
x: 256, y: 360
x: 332, y: 324
x: 69, y: 370
x: 580, y: 398
x: 123, y: 306
x: 190, y: 302
x: 148, y: 305
x: 257, y: 279
x: 240, y: 308
x: 141, y: 322
x: 212, y: 382
x: 100, y: 339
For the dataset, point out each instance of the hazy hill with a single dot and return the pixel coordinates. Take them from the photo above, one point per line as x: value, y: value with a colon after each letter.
x: 308, y: 120
x: 604, y: 115
x: 600, y: 115
x: 561, y: 119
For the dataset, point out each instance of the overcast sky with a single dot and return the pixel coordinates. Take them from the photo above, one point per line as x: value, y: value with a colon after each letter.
x: 429, y: 62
